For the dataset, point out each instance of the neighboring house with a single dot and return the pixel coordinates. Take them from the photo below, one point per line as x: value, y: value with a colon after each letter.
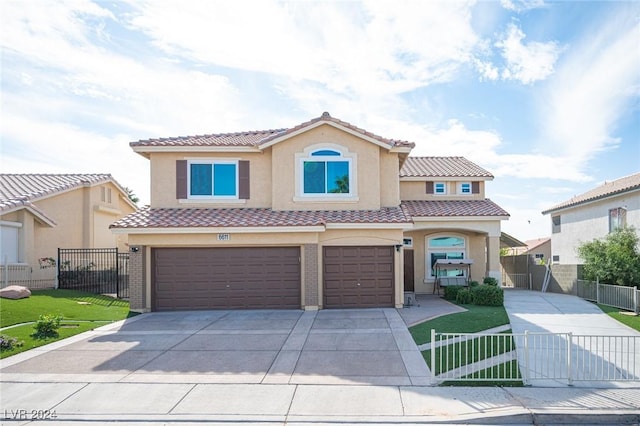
x: 591, y: 215
x: 539, y: 249
x: 40, y: 213
x: 321, y: 215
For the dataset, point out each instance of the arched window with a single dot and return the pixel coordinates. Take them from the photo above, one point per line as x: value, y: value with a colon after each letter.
x: 326, y: 171
x: 444, y: 247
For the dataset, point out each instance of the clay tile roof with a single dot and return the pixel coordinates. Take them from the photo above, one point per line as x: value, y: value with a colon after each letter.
x: 443, y: 208
x: 18, y: 190
x: 607, y: 189
x: 252, y: 217
x: 258, y: 137
x: 442, y: 167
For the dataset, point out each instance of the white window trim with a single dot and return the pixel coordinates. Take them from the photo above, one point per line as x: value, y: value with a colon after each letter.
x: 427, y: 250
x: 212, y: 161
x: 407, y: 242
x: 345, y: 155
x: 435, y: 185
x: 465, y: 193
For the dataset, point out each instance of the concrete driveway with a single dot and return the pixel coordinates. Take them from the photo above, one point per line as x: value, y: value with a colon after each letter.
x: 370, y: 346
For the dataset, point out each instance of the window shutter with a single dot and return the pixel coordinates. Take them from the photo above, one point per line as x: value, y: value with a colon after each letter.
x: 475, y: 187
x: 429, y: 187
x: 181, y: 179
x: 243, y: 180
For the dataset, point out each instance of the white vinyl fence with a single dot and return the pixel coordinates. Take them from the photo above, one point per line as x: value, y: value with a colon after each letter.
x: 611, y: 295
x: 534, y: 358
x: 24, y: 275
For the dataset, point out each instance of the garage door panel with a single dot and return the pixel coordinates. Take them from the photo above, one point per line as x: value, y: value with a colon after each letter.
x: 370, y: 266
x: 226, y: 278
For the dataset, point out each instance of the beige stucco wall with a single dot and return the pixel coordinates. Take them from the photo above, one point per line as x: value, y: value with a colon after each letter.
x: 163, y: 179
x: 416, y: 190
x: 81, y: 218
x: 389, y: 184
x: 365, y: 186
x: 480, y: 236
x: 332, y: 237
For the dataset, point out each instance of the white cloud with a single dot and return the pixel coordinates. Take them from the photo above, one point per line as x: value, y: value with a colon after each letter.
x: 527, y: 62
x: 593, y: 89
x: 521, y: 5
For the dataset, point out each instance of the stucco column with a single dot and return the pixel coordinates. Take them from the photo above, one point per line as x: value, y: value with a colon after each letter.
x: 310, y: 271
x: 137, y: 278
x: 493, y: 257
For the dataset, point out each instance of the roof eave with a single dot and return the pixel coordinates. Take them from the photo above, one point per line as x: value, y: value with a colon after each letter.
x: 319, y: 123
x: 451, y: 178
x: 591, y: 200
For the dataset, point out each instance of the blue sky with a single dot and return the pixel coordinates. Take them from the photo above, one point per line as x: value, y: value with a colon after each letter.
x: 545, y: 95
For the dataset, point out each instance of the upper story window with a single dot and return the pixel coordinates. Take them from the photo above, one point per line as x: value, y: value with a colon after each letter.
x: 617, y: 218
x: 464, y: 188
x: 212, y: 179
x: 105, y: 194
x: 439, y: 188
x: 326, y: 171
x: 556, y: 224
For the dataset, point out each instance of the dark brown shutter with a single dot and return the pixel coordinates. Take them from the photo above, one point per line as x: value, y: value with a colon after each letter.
x: 429, y: 187
x: 243, y: 180
x: 181, y: 179
x: 475, y: 187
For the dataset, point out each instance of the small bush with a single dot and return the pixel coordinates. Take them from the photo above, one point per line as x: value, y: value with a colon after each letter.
x: 487, y: 295
x: 7, y: 343
x: 464, y: 296
x: 46, y: 326
x: 473, y: 284
x: 450, y: 292
x: 490, y: 281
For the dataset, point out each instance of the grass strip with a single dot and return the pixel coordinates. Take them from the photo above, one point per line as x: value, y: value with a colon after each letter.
x: 626, y: 318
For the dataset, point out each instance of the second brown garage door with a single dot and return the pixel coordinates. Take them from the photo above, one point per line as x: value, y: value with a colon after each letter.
x: 226, y: 278
x: 358, y: 277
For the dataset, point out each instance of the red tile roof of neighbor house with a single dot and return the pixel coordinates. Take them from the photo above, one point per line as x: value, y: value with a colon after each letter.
x: 441, y: 167
x: 445, y: 208
x: 259, y: 137
x: 256, y: 217
x: 19, y: 189
x: 607, y: 189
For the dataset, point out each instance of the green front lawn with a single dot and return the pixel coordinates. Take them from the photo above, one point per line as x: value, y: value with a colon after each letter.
x: 627, y: 319
x: 476, y: 318
x: 81, y: 312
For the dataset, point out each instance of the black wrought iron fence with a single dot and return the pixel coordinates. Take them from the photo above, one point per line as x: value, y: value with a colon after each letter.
x: 100, y: 271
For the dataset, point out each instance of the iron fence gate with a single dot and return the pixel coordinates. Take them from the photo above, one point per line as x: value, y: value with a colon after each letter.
x: 100, y: 271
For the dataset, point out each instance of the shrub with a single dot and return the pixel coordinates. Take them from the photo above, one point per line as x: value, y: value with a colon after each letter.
x: 487, y: 295
x: 464, y: 296
x: 473, y: 284
x: 490, y: 281
x: 7, y: 343
x: 46, y: 326
x: 450, y: 292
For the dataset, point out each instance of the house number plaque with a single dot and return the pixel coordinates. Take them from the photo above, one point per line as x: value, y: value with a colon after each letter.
x: 224, y: 237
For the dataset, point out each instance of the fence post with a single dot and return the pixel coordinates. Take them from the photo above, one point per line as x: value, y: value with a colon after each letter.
x: 635, y: 300
x: 525, y: 379
x: 433, y: 356
x: 58, y: 274
x: 569, y: 345
x: 117, y: 273
x: 530, y: 279
x: 597, y: 290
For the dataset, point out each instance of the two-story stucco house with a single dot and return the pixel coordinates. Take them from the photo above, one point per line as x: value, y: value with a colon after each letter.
x: 321, y: 215
x: 592, y: 215
x: 40, y: 213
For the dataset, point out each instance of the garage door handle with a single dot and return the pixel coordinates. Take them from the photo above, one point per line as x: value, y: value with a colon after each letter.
x: 358, y: 284
x: 228, y: 286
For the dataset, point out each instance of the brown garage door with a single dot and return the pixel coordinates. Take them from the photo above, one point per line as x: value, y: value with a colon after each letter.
x: 226, y: 278
x: 358, y: 277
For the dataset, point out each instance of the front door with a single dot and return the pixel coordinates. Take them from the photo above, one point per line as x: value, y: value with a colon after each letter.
x: 408, y: 270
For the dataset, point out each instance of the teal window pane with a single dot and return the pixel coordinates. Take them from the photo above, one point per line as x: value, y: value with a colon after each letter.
x: 439, y: 188
x: 338, y: 177
x: 326, y: 152
x: 201, y: 182
x: 314, y: 177
x: 446, y: 242
x: 466, y: 188
x: 224, y: 179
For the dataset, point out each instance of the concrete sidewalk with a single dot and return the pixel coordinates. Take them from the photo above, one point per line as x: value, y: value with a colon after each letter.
x: 144, y: 403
